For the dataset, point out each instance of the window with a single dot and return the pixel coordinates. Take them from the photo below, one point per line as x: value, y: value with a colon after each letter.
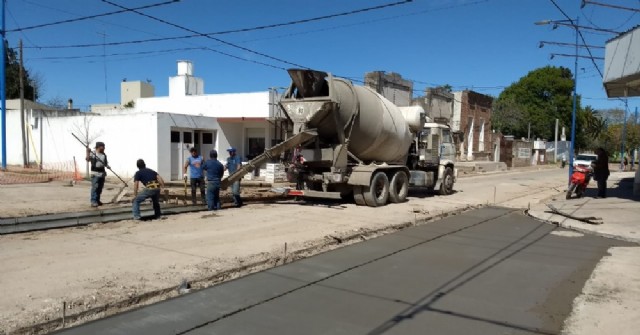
x: 187, y: 137
x: 175, y: 137
x: 207, y: 138
x: 446, y: 136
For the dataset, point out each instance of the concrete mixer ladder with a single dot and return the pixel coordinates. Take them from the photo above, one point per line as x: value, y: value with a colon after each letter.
x: 268, y: 154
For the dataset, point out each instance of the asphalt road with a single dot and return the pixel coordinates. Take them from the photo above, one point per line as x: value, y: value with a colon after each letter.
x: 488, y: 271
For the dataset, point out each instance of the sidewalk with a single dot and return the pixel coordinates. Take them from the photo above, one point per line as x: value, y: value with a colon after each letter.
x: 610, y: 300
x: 620, y: 211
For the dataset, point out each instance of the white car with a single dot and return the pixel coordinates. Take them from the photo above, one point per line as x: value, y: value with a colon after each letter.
x: 584, y: 159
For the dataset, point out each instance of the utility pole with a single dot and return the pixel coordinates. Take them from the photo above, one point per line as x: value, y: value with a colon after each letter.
x: 529, y: 132
x: 25, y: 159
x: 3, y: 87
x: 624, y: 134
x: 555, y: 147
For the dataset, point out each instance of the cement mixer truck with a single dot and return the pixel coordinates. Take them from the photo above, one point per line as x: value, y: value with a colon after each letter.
x: 357, y: 143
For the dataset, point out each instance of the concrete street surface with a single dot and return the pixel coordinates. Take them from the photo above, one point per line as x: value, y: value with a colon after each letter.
x: 487, y: 271
x: 610, y: 303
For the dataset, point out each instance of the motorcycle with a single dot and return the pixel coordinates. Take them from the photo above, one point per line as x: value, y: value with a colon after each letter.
x: 579, y: 180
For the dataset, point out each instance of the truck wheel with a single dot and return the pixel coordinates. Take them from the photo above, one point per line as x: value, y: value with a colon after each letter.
x: 446, y: 187
x: 399, y: 187
x: 377, y: 193
x: 358, y: 196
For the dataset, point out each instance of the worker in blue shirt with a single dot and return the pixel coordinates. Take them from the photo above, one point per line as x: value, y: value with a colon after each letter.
x: 233, y: 164
x: 194, y: 163
x: 215, y: 171
x: 153, y: 184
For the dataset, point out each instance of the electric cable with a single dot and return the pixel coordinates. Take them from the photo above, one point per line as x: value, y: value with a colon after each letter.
x: 42, y: 25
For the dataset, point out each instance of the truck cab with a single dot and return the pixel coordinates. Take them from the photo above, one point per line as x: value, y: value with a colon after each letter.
x: 431, y: 159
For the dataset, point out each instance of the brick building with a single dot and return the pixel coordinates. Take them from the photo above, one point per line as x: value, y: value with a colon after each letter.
x: 472, y: 120
x: 391, y: 86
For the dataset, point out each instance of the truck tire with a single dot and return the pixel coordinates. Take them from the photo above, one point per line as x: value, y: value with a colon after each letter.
x: 358, y: 197
x: 446, y: 186
x: 399, y: 187
x: 377, y: 194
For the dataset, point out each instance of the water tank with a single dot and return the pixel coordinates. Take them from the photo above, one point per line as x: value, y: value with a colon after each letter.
x: 185, y: 68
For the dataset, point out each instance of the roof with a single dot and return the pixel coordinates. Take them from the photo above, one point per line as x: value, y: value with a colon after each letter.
x: 622, y: 65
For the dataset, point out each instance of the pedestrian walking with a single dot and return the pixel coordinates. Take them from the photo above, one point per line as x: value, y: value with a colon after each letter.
x: 194, y: 163
x: 626, y: 162
x: 153, y: 185
x: 233, y: 164
x: 601, y: 172
x: 99, y: 164
x: 215, y: 171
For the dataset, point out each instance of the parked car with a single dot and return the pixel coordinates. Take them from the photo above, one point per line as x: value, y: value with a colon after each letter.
x: 584, y: 159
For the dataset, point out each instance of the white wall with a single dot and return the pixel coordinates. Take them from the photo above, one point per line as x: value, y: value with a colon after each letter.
x: 255, y: 104
x: 457, y: 111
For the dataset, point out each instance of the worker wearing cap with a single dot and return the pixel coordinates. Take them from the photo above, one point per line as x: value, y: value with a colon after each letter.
x: 194, y: 163
x: 215, y: 171
x: 153, y: 185
x: 99, y: 164
x: 233, y: 164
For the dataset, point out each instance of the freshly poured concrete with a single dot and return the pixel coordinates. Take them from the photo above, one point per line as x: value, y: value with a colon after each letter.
x: 489, y: 271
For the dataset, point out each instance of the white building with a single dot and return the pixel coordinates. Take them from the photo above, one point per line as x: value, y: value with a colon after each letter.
x: 161, y: 130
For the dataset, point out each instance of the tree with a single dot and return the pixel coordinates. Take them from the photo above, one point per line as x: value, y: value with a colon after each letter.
x: 537, y: 99
x: 85, y: 133
x: 12, y: 75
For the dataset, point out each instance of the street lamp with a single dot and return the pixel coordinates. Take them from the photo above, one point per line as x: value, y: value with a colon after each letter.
x: 575, y: 85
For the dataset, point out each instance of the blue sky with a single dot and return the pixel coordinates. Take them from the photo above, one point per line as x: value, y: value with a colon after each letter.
x: 476, y: 44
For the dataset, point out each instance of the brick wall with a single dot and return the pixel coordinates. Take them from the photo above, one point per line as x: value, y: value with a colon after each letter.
x: 476, y: 107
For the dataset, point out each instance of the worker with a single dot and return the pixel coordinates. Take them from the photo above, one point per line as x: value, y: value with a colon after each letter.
x: 299, y: 170
x: 215, y: 171
x: 99, y: 164
x: 194, y: 163
x: 153, y: 184
x: 233, y: 164
x: 601, y: 172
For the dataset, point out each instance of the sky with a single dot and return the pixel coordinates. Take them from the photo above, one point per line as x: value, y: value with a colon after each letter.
x: 482, y: 45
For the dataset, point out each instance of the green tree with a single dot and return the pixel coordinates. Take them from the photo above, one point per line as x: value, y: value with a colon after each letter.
x: 537, y: 99
x: 12, y: 75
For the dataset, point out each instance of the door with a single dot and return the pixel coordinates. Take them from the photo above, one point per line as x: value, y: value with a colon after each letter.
x: 181, y: 141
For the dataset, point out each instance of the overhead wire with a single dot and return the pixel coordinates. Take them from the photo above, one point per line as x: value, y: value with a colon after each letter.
x: 49, y: 24
x: 216, y: 39
x: 161, y: 39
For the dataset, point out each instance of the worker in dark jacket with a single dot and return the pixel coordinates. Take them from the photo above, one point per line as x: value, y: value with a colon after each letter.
x: 601, y: 172
x: 153, y: 184
x: 215, y: 171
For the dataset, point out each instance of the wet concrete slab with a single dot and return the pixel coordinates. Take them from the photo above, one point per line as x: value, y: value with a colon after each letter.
x: 488, y: 271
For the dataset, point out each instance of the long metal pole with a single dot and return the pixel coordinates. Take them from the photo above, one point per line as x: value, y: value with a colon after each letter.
x: 25, y: 143
x: 41, y: 135
x: 3, y: 98
x: 624, y: 134
x: 575, y: 102
x: 555, y: 146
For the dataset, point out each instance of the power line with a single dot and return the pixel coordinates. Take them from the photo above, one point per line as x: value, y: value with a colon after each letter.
x: 213, y: 38
x: 162, y: 39
x: 148, y: 52
x: 579, y: 33
x: 93, y: 16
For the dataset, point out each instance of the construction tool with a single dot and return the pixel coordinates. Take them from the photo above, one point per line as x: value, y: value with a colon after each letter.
x: 122, y: 191
x: 184, y: 201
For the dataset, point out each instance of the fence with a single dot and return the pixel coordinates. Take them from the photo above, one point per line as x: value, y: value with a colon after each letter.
x: 59, y: 171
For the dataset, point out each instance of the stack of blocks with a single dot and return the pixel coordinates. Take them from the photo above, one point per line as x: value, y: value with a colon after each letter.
x: 274, y: 173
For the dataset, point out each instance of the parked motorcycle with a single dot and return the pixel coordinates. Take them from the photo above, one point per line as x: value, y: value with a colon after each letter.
x: 579, y: 180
